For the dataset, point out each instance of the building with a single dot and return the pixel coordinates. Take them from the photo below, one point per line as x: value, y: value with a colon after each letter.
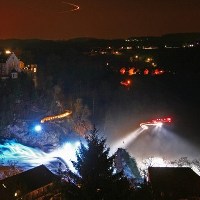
x: 10, y: 65
x: 174, y: 183
x: 37, y: 183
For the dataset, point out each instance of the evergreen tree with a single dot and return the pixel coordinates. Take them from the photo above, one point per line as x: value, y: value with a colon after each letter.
x: 96, y: 177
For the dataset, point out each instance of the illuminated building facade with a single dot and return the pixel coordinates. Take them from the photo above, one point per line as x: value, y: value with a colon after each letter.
x: 8, y: 64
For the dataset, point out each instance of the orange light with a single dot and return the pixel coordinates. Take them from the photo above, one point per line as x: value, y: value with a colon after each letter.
x: 7, y: 51
x: 131, y: 71
x: 49, y: 118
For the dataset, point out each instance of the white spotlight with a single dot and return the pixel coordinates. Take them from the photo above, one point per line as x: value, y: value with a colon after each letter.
x: 159, y: 124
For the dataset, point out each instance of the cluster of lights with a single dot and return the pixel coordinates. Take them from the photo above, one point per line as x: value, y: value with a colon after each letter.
x: 156, y: 122
x: 162, y: 120
x: 50, y: 118
x: 130, y: 71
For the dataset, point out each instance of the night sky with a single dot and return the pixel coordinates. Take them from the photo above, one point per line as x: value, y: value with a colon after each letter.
x: 57, y: 19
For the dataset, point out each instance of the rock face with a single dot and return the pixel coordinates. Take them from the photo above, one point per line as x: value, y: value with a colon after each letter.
x: 48, y: 137
x: 124, y: 162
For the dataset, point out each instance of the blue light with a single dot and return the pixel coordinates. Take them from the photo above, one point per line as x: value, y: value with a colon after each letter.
x: 38, y: 128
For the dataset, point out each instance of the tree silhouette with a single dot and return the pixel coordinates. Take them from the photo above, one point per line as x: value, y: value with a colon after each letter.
x: 96, y: 177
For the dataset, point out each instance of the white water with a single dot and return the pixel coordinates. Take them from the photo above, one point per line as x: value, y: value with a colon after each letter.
x: 27, y: 157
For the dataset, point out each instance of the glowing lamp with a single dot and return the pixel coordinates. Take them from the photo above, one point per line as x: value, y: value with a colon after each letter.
x: 8, y: 52
x: 38, y: 128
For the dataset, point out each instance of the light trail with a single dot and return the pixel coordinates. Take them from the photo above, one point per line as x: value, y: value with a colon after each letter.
x: 145, y: 125
x: 58, y: 6
x: 60, y: 116
x: 75, y: 7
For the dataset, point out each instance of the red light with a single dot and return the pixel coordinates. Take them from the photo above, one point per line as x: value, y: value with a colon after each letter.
x: 164, y: 120
x: 146, y: 72
x: 123, y: 70
x: 158, y: 72
x: 169, y: 119
x: 126, y: 83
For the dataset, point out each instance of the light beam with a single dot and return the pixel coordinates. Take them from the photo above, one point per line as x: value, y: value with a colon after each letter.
x: 127, y: 140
